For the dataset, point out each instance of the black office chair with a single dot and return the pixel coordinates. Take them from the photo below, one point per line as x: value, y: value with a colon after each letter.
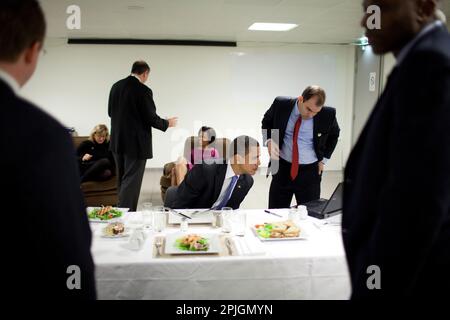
x: 171, y: 195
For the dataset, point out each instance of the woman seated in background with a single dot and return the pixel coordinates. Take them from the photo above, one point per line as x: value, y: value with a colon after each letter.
x: 199, y: 154
x: 95, y: 160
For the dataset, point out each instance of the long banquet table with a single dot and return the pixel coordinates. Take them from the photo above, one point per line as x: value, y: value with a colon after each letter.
x: 297, y: 269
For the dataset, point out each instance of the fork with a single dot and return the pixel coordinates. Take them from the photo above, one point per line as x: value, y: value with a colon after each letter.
x: 158, y: 245
x: 228, y: 245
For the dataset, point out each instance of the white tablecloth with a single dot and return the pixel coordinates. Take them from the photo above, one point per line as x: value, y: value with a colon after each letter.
x: 303, y: 269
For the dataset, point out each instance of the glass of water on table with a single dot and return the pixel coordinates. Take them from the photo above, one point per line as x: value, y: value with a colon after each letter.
x: 147, y: 215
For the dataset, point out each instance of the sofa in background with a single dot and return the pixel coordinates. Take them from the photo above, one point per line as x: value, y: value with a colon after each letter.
x: 98, y: 193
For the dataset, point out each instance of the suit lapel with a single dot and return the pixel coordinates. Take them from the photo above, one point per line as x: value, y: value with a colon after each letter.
x: 286, y: 114
x: 237, y: 191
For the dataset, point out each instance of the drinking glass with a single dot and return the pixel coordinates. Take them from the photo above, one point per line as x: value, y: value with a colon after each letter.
x: 159, y: 218
x: 240, y: 222
x: 147, y: 215
x: 227, y: 215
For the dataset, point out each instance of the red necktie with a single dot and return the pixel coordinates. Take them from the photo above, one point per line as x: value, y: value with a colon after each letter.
x: 294, y: 164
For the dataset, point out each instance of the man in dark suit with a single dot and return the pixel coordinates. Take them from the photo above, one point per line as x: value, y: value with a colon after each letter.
x: 45, y: 226
x: 396, y: 214
x: 221, y: 185
x: 301, y: 135
x: 133, y: 115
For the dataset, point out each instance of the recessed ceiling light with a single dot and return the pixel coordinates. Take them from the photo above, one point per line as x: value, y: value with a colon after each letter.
x: 262, y: 26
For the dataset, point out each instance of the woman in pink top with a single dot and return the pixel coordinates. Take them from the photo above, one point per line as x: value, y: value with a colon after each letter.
x: 201, y: 153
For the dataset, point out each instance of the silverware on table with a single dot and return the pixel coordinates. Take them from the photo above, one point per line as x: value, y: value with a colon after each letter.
x: 229, y: 246
x: 180, y: 214
x: 200, y: 211
x: 158, y: 245
x: 273, y: 213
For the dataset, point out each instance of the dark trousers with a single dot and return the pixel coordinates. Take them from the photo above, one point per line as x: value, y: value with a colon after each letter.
x: 130, y: 173
x: 305, y: 187
x: 99, y: 170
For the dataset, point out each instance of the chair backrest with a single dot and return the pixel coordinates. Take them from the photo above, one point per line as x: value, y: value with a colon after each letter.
x: 220, y: 144
x: 77, y: 140
x: 171, y: 194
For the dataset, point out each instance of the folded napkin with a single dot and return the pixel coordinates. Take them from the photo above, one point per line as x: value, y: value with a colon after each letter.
x: 248, y: 246
x: 137, y: 239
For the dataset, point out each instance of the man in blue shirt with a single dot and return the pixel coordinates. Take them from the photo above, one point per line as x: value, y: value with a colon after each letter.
x: 301, y: 135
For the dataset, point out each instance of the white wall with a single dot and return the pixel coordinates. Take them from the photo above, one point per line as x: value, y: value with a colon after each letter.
x: 226, y: 88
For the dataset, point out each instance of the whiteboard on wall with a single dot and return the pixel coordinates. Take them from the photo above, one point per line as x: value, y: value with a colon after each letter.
x: 228, y: 89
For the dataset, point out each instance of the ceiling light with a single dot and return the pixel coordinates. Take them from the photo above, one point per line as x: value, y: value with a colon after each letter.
x: 363, y: 41
x: 261, y: 26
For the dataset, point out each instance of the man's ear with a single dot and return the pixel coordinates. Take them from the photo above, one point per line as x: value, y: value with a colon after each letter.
x: 426, y: 9
x: 32, y: 53
x: 300, y: 99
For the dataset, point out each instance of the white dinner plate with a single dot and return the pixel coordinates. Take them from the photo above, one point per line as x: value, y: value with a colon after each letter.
x: 171, y: 248
x: 124, y: 211
x: 303, y: 236
x: 124, y: 234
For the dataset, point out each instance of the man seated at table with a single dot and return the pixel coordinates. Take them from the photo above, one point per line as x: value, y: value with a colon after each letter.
x: 221, y: 185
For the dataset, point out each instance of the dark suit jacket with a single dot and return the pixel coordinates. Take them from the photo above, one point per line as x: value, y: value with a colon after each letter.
x: 44, y: 221
x: 397, y: 181
x: 326, y: 128
x: 133, y: 114
x: 202, y: 185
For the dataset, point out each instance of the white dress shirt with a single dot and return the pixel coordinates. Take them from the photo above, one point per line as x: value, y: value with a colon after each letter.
x: 228, y: 176
x: 10, y: 81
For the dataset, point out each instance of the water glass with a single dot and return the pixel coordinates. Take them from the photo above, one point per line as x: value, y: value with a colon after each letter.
x: 294, y: 215
x: 147, y: 215
x: 159, y: 218
x: 227, y: 215
x: 217, y: 218
x: 240, y: 222
x: 184, y: 225
x: 303, y: 212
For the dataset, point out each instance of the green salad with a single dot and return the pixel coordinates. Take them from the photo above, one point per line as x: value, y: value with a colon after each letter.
x: 264, y: 230
x: 104, y: 213
x: 192, y: 242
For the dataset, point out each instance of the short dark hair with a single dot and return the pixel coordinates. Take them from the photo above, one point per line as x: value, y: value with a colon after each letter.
x: 241, y: 146
x: 139, y: 67
x: 312, y: 91
x: 210, y: 132
x: 22, y: 24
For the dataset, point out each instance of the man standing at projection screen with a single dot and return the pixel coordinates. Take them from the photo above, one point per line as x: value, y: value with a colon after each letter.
x: 133, y: 115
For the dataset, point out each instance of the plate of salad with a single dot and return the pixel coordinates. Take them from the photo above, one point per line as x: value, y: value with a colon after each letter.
x: 275, y: 231
x: 105, y: 214
x: 192, y: 244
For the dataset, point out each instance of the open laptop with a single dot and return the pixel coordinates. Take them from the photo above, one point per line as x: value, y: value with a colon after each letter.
x: 323, y: 208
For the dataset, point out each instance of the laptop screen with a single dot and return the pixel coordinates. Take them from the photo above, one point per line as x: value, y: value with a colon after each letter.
x: 335, y: 202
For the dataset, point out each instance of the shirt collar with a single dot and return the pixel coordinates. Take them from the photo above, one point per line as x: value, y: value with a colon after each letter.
x: 133, y: 75
x: 296, y: 111
x: 230, y: 173
x: 406, y: 49
x: 10, y: 81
